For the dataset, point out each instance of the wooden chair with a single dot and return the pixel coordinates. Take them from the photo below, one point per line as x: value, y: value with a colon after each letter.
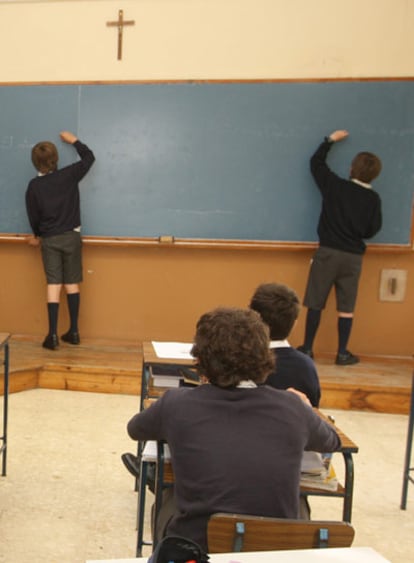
x: 228, y: 533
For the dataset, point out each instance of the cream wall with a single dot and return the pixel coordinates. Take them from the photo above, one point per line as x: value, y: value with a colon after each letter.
x: 149, y: 293
x: 200, y: 39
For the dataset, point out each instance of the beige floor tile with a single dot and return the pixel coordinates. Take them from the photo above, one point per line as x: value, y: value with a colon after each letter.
x: 67, y: 497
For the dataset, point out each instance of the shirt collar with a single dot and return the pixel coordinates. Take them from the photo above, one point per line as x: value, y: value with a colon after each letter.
x: 246, y: 384
x: 279, y: 344
x: 363, y: 184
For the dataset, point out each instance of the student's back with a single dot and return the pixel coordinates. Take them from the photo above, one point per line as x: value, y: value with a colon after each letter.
x: 279, y: 307
x: 295, y: 369
x: 236, y: 445
x: 233, y: 450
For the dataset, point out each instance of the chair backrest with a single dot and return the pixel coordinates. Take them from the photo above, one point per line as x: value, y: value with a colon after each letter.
x: 229, y: 533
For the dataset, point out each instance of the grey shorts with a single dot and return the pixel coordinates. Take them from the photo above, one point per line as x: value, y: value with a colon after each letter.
x: 331, y: 267
x: 62, y: 258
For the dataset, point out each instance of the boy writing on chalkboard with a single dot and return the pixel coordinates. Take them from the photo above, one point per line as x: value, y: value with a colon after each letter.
x: 53, y: 208
x: 351, y: 212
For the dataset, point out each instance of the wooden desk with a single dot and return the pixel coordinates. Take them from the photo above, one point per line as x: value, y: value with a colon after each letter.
x: 330, y: 555
x: 347, y: 490
x: 347, y: 450
x: 149, y: 358
x: 4, y: 345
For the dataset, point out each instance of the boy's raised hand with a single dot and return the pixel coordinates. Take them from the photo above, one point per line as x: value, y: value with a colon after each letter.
x: 338, y: 135
x: 68, y: 137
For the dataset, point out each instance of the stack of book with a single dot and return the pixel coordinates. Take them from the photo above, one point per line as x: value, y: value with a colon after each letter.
x: 317, y: 472
x: 172, y: 375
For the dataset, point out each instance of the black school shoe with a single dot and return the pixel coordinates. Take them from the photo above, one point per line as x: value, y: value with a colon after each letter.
x: 51, y: 342
x: 131, y: 463
x: 347, y: 359
x: 71, y: 337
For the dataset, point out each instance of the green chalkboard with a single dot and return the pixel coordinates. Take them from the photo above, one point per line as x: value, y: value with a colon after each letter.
x: 210, y: 160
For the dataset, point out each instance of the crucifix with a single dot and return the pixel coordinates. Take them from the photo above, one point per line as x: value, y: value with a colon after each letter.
x: 120, y: 23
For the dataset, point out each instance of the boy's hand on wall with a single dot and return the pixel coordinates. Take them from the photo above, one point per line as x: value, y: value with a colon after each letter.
x: 68, y: 137
x: 338, y: 135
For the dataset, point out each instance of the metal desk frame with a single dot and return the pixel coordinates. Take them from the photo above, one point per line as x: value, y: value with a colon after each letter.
x: 407, y: 462
x: 149, y: 358
x: 4, y: 344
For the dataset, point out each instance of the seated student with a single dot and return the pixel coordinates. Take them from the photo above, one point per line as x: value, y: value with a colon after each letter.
x: 279, y: 307
x: 236, y: 446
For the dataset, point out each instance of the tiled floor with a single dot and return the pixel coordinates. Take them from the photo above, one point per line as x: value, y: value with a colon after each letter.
x: 67, y: 497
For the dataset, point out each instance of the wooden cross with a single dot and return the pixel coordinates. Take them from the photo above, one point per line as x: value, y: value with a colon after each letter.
x: 120, y: 23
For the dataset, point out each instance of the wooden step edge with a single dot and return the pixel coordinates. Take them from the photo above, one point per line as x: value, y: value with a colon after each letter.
x: 83, y: 368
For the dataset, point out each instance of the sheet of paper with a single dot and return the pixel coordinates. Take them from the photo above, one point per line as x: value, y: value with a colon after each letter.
x: 173, y: 350
x: 149, y: 453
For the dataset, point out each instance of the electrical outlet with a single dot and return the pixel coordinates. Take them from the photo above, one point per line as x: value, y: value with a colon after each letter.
x: 393, y: 284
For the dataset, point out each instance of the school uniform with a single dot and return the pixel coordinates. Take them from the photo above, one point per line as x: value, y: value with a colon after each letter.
x: 233, y: 450
x: 294, y: 369
x: 351, y: 212
x: 53, y: 209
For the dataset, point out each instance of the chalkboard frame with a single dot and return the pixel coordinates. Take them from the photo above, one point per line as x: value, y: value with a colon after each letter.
x: 170, y: 241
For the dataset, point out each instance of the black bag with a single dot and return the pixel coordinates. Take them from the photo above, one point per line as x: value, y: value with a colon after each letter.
x: 174, y: 549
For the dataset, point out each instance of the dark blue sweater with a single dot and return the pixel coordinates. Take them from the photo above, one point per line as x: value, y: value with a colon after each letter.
x: 295, y: 369
x: 53, y: 201
x: 233, y: 450
x: 350, y: 212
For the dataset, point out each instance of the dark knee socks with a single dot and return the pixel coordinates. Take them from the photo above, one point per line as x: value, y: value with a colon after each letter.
x: 313, y: 318
x: 73, y: 306
x: 344, y: 332
x: 52, y: 313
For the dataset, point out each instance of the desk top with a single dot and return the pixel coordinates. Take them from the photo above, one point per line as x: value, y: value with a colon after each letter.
x: 330, y: 555
x: 4, y: 336
x: 348, y: 446
x: 150, y: 357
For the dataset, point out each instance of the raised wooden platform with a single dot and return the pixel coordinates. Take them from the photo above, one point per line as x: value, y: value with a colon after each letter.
x: 98, y: 366
x: 378, y: 384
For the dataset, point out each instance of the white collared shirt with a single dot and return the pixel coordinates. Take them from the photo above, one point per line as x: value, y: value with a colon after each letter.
x: 363, y: 184
x: 246, y: 384
x: 279, y: 344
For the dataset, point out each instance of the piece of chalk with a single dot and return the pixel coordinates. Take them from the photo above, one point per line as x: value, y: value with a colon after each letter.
x: 166, y: 238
